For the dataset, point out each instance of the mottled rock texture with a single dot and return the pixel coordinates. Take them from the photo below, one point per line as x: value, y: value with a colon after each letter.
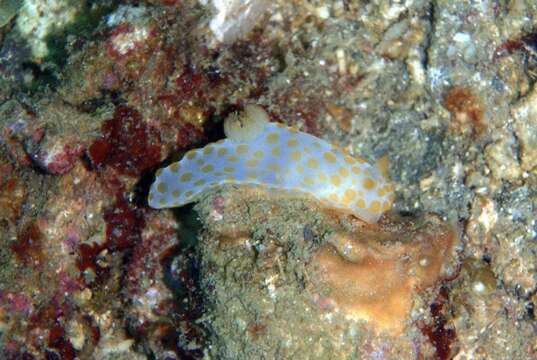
x: 444, y: 90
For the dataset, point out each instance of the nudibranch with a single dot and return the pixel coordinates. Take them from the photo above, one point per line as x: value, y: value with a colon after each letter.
x: 279, y: 158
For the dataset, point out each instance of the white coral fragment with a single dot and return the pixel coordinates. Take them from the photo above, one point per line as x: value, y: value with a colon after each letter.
x: 39, y: 18
x: 235, y: 18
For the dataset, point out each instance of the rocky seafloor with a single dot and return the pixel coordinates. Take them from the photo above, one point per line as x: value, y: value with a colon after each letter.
x: 96, y: 95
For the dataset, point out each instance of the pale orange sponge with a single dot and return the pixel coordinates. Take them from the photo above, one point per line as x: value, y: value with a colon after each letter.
x: 374, y: 273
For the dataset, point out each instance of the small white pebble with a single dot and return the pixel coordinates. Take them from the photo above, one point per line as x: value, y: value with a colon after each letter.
x: 479, y: 287
x: 323, y: 12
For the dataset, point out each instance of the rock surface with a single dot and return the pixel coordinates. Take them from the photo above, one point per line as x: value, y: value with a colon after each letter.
x: 95, y: 96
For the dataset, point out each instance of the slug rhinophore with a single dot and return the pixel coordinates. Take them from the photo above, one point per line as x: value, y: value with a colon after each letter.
x: 277, y: 157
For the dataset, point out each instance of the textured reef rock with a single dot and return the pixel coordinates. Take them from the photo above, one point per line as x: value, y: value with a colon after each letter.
x: 283, y: 280
x: 97, y: 95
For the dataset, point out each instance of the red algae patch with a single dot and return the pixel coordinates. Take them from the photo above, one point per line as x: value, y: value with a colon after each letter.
x: 12, y: 196
x: 124, y: 224
x: 58, y: 340
x: 128, y: 144
x: 466, y: 110
x: 510, y: 46
x: 60, y: 158
x: 373, y: 274
x: 29, y: 245
x: 439, y: 334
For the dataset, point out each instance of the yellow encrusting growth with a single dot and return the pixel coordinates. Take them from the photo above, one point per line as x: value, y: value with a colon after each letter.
x: 277, y: 157
x: 374, y: 274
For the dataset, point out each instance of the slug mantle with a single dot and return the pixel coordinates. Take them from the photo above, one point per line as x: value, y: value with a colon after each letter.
x: 279, y: 158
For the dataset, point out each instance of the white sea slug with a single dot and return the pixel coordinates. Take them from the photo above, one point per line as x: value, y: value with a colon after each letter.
x: 279, y: 158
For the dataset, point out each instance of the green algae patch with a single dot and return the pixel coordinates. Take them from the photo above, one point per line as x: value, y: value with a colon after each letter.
x: 8, y: 9
x: 84, y: 24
